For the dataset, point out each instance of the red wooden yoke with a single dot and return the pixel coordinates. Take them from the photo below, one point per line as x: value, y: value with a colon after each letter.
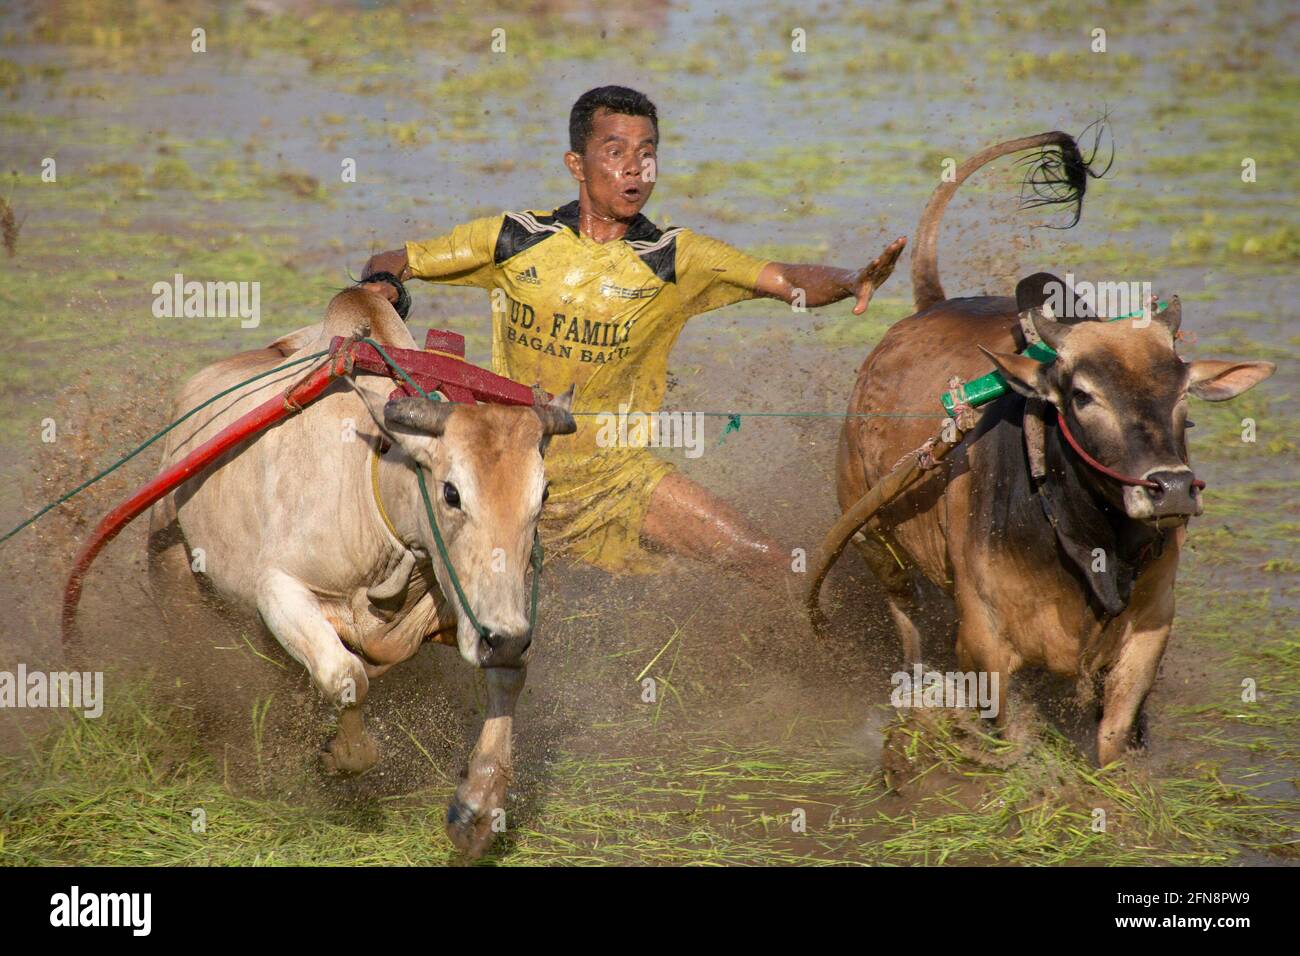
x: 443, y: 369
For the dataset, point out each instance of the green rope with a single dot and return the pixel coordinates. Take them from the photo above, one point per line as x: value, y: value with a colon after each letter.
x: 435, y: 397
x: 535, y: 560
x: 123, y: 460
x: 442, y: 551
x: 733, y: 425
x: 738, y: 415
x: 733, y: 422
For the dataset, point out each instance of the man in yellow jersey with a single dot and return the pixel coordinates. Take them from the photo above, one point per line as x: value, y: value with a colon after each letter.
x: 594, y: 294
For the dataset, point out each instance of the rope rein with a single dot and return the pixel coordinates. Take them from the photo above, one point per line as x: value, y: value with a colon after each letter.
x: 1094, y: 464
x: 154, y: 437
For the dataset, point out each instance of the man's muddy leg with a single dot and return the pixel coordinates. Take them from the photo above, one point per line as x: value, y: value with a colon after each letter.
x: 689, y: 520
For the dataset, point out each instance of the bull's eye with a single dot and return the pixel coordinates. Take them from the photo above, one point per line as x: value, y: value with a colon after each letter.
x: 1080, y: 398
x: 450, y: 495
x: 546, y: 492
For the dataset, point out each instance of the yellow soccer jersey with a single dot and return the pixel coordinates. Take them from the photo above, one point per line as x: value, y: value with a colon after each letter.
x: 602, y: 316
x: 570, y: 310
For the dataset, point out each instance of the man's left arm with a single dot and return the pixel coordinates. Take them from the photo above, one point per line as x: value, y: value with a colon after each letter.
x: 822, y: 285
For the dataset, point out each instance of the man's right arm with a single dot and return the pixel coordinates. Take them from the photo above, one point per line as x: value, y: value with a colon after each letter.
x: 464, y: 256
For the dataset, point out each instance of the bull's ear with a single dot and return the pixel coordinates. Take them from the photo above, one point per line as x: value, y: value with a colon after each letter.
x: 1044, y: 291
x: 1218, y: 381
x: 400, y: 435
x: 1022, y: 373
x: 1171, y: 318
x: 557, y: 417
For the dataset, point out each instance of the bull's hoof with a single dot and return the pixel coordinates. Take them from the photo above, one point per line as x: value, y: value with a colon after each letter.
x: 344, y: 756
x: 951, y: 740
x: 1128, y: 752
x: 469, y: 830
x: 474, y: 816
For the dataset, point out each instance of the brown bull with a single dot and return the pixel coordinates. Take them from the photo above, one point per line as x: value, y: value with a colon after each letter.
x: 1052, y: 561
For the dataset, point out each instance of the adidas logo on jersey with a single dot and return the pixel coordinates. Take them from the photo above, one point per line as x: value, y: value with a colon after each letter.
x: 529, y: 275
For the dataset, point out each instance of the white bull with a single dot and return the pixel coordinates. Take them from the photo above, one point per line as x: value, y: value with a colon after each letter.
x: 335, y: 551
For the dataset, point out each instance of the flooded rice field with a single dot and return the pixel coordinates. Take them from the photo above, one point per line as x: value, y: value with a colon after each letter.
x: 226, y: 165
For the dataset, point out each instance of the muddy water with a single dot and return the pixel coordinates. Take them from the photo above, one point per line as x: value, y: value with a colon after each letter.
x: 803, y: 158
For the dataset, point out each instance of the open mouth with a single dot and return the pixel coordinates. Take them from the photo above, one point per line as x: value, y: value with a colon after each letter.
x: 632, y: 193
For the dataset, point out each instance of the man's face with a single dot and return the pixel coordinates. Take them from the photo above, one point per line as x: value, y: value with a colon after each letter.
x: 618, y: 167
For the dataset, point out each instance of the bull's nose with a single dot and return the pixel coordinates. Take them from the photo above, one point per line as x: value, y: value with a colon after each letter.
x: 505, y: 650
x: 1174, y: 494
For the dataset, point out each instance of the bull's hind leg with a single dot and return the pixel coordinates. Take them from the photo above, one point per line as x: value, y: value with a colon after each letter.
x: 294, y: 615
x: 477, y: 811
x: 176, y: 590
x: 900, y: 592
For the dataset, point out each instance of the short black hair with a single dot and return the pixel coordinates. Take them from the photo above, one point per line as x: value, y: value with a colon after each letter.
x: 616, y: 99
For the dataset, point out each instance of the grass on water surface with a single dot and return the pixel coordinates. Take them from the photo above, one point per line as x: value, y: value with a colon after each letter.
x: 122, y: 790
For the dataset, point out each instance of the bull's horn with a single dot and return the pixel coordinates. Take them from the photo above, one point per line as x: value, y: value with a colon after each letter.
x: 1172, y: 317
x: 1048, y: 329
x: 555, y: 421
x: 396, y: 583
x: 418, y: 414
x: 556, y: 415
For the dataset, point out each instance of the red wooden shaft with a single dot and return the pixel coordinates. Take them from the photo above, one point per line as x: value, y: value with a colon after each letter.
x: 457, y: 379
x: 260, y: 418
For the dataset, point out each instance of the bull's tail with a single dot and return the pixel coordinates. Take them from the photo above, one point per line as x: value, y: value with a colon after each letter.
x: 1057, y: 175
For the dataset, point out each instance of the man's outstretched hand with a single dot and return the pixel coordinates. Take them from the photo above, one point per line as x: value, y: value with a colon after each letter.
x: 877, y: 271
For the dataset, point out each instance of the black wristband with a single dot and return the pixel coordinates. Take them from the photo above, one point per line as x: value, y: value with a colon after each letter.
x: 403, y: 304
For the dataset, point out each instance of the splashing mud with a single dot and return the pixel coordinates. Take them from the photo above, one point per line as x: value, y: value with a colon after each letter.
x: 754, y: 721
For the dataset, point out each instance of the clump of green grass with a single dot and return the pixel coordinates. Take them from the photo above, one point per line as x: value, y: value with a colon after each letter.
x: 124, y: 790
x: 9, y: 227
x: 300, y: 184
x: 11, y: 77
x: 173, y: 173
x: 1049, y: 806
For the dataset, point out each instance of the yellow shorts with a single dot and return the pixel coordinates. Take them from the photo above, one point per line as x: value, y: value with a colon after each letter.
x: 597, y: 505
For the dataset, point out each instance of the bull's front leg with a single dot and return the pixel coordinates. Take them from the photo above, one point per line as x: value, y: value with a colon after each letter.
x: 477, y: 810
x: 293, y: 613
x: 1146, y: 625
x: 1127, y: 684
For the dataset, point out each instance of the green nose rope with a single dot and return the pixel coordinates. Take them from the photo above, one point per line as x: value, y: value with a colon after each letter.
x: 535, y: 562
x: 536, y: 557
